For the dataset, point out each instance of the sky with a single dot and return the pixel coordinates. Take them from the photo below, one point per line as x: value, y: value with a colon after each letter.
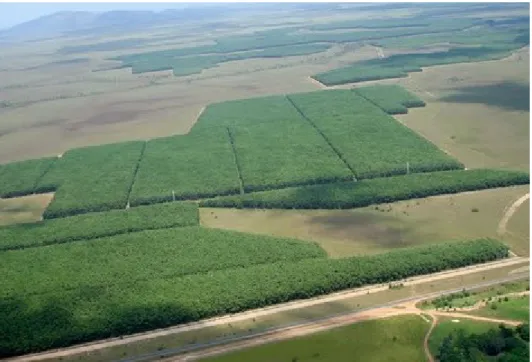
x: 16, y: 13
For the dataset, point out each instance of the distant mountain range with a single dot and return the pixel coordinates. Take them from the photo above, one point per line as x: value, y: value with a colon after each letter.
x: 91, y: 23
x: 119, y: 21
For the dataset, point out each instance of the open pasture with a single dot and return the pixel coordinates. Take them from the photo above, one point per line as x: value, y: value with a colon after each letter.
x: 395, y: 339
x: 384, y: 227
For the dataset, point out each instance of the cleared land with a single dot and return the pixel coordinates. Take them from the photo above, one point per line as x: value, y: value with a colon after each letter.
x: 386, y: 226
x: 25, y: 209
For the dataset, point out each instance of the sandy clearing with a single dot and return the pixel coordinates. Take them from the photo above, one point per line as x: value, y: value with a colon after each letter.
x: 319, y: 84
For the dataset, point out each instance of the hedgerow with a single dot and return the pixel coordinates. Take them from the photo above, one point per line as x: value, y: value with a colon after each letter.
x: 142, y: 256
x: 371, y: 141
x: 285, y: 153
x: 20, y: 178
x: 98, y: 224
x: 186, y: 167
x: 63, y: 317
x: 393, y: 99
x: 100, y: 182
x: 344, y: 195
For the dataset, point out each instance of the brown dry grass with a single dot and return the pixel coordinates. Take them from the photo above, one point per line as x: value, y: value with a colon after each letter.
x: 379, y: 228
x: 23, y: 209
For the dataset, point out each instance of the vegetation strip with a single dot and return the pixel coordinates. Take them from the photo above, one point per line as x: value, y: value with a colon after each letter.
x: 344, y: 195
x: 99, y: 224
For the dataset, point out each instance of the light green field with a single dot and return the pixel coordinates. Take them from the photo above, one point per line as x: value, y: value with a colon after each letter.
x: 516, y: 308
x: 393, y: 339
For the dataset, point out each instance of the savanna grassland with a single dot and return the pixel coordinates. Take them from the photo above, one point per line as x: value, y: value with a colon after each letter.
x: 124, y: 155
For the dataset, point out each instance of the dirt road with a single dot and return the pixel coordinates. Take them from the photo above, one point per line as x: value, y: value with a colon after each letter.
x: 501, y: 229
x: 405, y: 308
x: 93, y: 346
x: 430, y: 357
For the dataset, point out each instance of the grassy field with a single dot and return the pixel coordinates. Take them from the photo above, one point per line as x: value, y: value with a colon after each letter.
x: 516, y: 308
x: 392, y: 339
x: 479, y: 112
x: 387, y: 226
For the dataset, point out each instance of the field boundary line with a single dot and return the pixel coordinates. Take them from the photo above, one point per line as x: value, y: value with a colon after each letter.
x: 38, y: 180
x: 134, y: 178
x: 324, y: 137
x: 235, y: 156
